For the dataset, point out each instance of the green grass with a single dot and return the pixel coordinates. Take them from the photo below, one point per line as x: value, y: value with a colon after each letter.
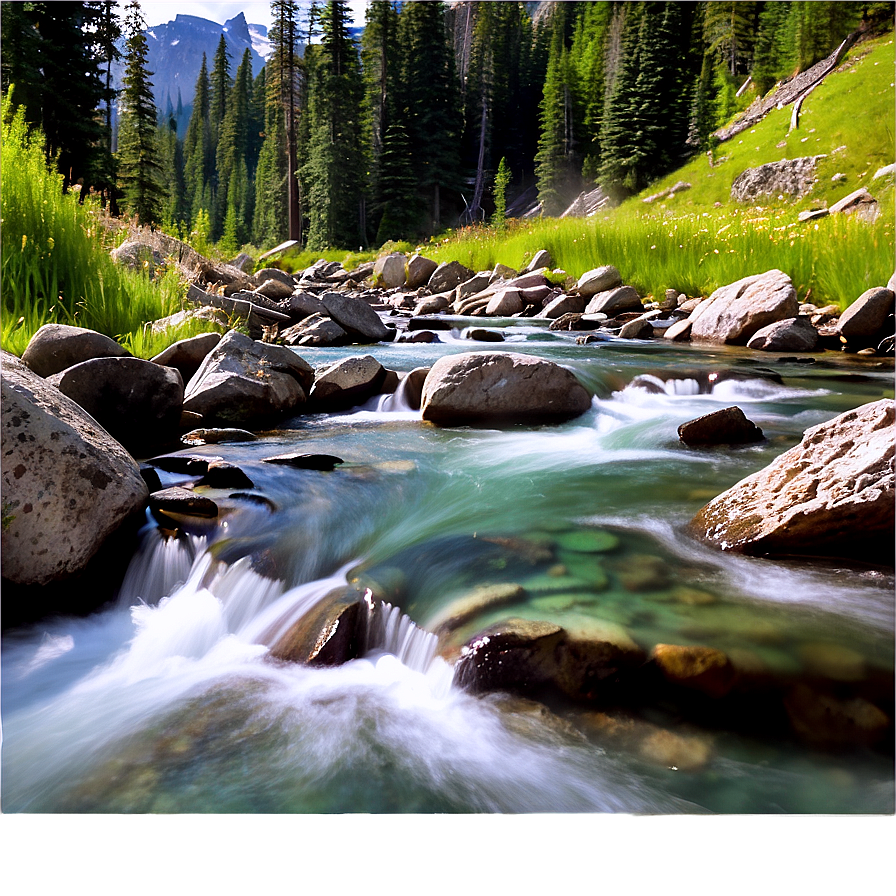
x: 56, y: 266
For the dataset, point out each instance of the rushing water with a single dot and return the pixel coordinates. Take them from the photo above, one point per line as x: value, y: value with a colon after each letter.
x: 166, y: 700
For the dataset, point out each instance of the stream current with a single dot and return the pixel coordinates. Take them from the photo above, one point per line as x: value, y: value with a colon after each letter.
x: 166, y: 701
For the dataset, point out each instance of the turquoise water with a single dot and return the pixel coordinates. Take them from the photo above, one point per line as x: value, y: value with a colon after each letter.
x: 166, y: 702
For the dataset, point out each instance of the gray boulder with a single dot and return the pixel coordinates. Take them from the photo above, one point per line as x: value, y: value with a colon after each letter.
x: 357, y: 318
x: 138, y: 402
x: 247, y: 383
x: 541, y: 259
x: 420, y: 269
x: 266, y: 274
x: 67, y: 484
x: 564, y: 304
x: 476, y: 284
x: 598, y: 280
x: 489, y: 387
x: 274, y: 289
x: 315, y: 330
x: 448, y: 275
x: 860, y: 203
x: 390, y: 270
x: 187, y: 355
x: 615, y: 301
x: 831, y: 495
x: 866, y: 316
x: 733, y: 313
x: 505, y: 303
x: 728, y: 426
x: 302, y: 304
x: 793, y: 177
x: 137, y: 256
x: 794, y: 335
x: 348, y: 382
x: 57, y: 346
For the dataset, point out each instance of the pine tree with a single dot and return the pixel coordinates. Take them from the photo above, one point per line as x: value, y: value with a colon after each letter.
x: 729, y: 27
x: 172, y: 157
x: 233, y: 143
x: 397, y: 184
x: 771, y: 53
x: 335, y: 169
x: 139, y: 166
x: 553, y: 160
x: 502, y: 179
x: 199, y: 150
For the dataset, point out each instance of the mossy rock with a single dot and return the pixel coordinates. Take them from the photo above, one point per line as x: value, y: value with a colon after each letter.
x: 548, y: 584
x: 587, y: 541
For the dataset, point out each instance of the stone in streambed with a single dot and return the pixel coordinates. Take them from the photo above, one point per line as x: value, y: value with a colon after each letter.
x: 615, y: 301
x: 563, y: 304
x: 215, y: 436
x: 826, y: 720
x: 485, y: 597
x: 187, y: 355
x: 697, y: 668
x: 728, y: 426
x: 865, y: 317
x: 347, y: 383
x: 796, y: 335
x: 831, y: 495
x: 54, y: 347
x: 357, y: 318
x: 222, y: 474
x: 315, y: 330
x: 587, y: 541
x: 487, y: 388
x: 482, y: 334
x: 322, y: 462
x: 182, y: 502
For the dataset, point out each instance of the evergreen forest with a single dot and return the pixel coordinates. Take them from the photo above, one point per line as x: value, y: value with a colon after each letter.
x: 440, y: 114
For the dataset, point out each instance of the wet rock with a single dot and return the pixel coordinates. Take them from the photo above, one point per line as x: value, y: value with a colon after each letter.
x: 825, y: 720
x: 67, y: 484
x: 795, y: 335
x: 410, y: 388
x: 587, y: 541
x: 348, y: 383
x: 429, y: 323
x: 323, y: 462
x: 191, y: 464
x: 248, y: 383
x: 138, y: 402
x: 315, y: 330
x: 448, y: 275
x: 54, y: 347
x: 832, y: 661
x: 487, y: 387
x: 389, y: 270
x: 330, y: 634
x: 479, y: 600
x: 598, y: 280
x: 187, y: 355
x: 687, y: 753
x: 614, y: 301
x: 641, y: 572
x: 423, y: 336
x: 679, y: 331
x: 866, y: 316
x: 420, y: 269
x: 221, y: 474
x: 182, y: 502
x: 563, y: 304
x: 481, y: 334
x: 791, y: 176
x: 734, y: 313
x: 357, y: 318
x: 728, y: 426
x: 214, y: 436
x: 697, y: 668
x: 831, y: 495
x: 640, y: 327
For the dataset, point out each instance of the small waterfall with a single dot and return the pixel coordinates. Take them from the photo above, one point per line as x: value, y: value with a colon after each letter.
x: 391, y: 631
x: 398, y: 401
x: 159, y: 566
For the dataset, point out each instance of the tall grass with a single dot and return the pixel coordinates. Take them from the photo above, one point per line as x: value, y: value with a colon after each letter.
x: 54, y: 258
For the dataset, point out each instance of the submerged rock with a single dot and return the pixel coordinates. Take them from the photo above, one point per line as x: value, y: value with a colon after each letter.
x: 67, y: 484
x: 487, y: 387
x: 831, y: 495
x: 702, y: 669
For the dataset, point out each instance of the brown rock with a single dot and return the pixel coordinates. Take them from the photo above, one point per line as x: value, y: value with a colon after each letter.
x: 702, y: 669
x: 727, y: 426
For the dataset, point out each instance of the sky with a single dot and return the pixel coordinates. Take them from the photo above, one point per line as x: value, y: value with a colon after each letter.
x: 157, y: 12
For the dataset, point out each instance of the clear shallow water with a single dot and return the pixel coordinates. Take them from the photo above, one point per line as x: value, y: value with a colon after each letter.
x: 166, y: 702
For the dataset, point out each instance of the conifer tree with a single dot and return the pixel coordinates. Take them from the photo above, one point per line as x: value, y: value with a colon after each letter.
x: 139, y: 165
x: 729, y: 27
x: 199, y: 150
x: 335, y: 169
x: 233, y: 143
x: 502, y: 179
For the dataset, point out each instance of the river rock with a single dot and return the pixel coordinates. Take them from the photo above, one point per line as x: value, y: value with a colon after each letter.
x: 614, y: 301
x: 57, y: 346
x: 67, y: 484
x: 598, y: 280
x: 432, y: 304
x: 505, y: 303
x: 420, y: 269
x: 831, y: 495
x: 791, y: 176
x: 489, y: 387
x: 794, y: 335
x: 138, y: 402
x: 479, y: 600
x: 315, y: 330
x: 357, y: 318
x: 728, y: 426
x: 866, y: 316
x: 733, y: 313
x: 331, y: 633
x: 216, y: 435
x: 828, y: 721
x: 640, y: 327
x: 448, y: 275
x: 697, y: 668
x: 563, y: 304
x: 482, y: 334
x: 389, y: 270
x: 347, y: 383
x: 301, y: 305
x: 476, y: 284
x: 182, y: 502
x: 321, y: 462
x: 187, y: 355
x: 244, y: 382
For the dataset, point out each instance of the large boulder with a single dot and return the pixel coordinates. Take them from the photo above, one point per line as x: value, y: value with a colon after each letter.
x: 448, y: 275
x: 243, y: 382
x: 357, y: 318
x: 866, y: 316
x: 794, y: 335
x: 793, y: 177
x: 505, y: 303
x: 831, y: 495
x: 348, y: 382
x: 497, y: 387
x: 564, y: 304
x: 274, y: 289
x: 733, y: 313
x: 615, y: 301
x: 389, y: 270
x: 599, y: 280
x: 67, y: 484
x: 187, y: 355
x: 139, y: 403
x: 57, y: 346
x: 420, y: 269
x: 315, y: 330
